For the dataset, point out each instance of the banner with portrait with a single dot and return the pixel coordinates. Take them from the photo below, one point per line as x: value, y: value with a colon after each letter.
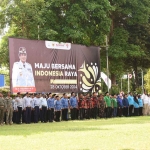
x: 48, y: 66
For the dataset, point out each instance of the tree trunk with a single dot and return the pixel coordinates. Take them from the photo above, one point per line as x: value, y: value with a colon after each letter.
x: 113, y: 79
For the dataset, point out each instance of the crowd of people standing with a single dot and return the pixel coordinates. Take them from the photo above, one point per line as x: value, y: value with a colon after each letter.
x: 41, y: 107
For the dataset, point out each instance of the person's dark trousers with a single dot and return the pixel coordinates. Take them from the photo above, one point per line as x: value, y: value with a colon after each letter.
x: 14, y: 116
x: 125, y: 111
x: 81, y: 113
x: 4, y: 117
x: 77, y: 113
x: 48, y: 115
x: 57, y: 116
x: 32, y: 116
x: 114, y: 111
x: 92, y: 113
x: 108, y: 113
x: 64, y: 114
x: 111, y: 111
x: 19, y: 114
x: 88, y: 113
x: 44, y: 113
x: 98, y: 112
x: 40, y: 115
x: 23, y: 116
x: 95, y: 112
x: 119, y: 111
x: 73, y: 113
x: 140, y: 111
x: 28, y: 114
x: 130, y: 110
x: 51, y: 114
x: 136, y: 111
x: 36, y: 114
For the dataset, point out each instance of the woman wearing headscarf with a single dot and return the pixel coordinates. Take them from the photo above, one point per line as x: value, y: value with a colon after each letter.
x: 136, y: 105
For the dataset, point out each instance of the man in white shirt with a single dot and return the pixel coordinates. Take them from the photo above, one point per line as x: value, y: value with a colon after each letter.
x: 145, y: 99
x: 22, y: 74
x: 18, y: 107
x: 43, y: 108
x: 32, y: 109
x: 27, y: 107
x: 36, y: 106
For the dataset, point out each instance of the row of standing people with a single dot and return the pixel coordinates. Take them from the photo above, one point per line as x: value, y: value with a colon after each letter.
x: 44, y: 108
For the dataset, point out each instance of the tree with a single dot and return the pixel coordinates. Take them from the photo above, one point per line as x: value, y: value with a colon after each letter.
x: 127, y: 46
x: 147, y: 81
x: 125, y: 22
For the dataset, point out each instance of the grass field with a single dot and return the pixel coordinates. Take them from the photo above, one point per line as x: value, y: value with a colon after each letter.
x: 112, y: 134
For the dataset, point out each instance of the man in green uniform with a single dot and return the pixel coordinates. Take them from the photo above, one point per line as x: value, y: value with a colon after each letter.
x: 2, y: 109
x: 108, y: 105
x: 9, y: 109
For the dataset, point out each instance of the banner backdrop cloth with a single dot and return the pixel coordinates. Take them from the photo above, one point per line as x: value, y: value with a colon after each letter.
x: 47, y: 66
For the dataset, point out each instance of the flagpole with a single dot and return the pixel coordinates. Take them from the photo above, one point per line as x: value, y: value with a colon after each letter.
x: 142, y: 81
x: 128, y: 83
x: 107, y: 63
x: 121, y: 83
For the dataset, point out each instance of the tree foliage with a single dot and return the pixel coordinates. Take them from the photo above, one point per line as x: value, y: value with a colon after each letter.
x: 125, y: 22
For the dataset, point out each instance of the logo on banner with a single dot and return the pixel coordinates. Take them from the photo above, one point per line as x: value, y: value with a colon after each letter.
x: 57, y: 45
x: 89, y: 78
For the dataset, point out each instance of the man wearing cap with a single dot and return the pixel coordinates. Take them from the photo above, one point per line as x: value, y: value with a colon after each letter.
x: 22, y: 74
x: 2, y: 109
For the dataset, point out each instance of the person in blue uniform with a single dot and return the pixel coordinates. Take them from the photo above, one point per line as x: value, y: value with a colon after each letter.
x: 50, y: 103
x: 65, y: 106
x: 58, y: 107
x: 125, y: 105
x: 73, y: 106
x: 131, y: 102
x: 120, y: 105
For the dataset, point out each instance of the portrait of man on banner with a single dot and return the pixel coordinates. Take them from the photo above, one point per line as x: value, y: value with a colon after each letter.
x: 22, y: 74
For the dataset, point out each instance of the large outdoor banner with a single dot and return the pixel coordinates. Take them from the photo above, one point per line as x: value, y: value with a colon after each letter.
x: 47, y: 66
